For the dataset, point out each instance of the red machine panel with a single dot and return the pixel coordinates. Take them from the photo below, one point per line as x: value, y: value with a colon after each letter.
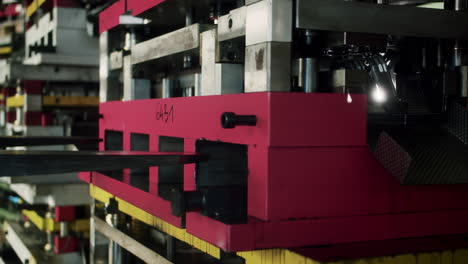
x: 139, y: 7
x: 109, y: 18
x: 10, y: 10
x: 284, y: 119
x: 311, y: 177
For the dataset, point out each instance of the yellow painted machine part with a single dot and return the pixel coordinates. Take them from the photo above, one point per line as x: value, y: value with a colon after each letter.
x: 43, y: 224
x: 64, y: 101
x: 5, y: 50
x: 70, y: 101
x: 48, y: 224
x: 284, y: 256
x: 274, y: 256
x: 157, y: 222
x: 32, y: 8
x: 80, y: 225
x: 15, y: 101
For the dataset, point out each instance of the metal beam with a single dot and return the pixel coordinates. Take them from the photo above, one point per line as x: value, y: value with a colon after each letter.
x: 16, y: 141
x: 128, y: 243
x: 350, y: 16
x: 178, y: 41
x: 20, y: 163
x: 12, y: 71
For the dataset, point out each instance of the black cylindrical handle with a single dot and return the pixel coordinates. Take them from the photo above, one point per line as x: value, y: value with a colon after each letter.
x: 231, y: 120
x: 183, y: 202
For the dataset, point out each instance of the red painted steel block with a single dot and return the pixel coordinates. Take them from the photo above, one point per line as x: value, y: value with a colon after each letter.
x: 65, y: 244
x: 66, y: 3
x: 312, y: 179
x: 10, y: 116
x: 138, y: 6
x: 37, y: 119
x: 109, y: 18
x: 9, y: 91
x: 65, y: 213
x: 33, y: 87
x: 10, y: 10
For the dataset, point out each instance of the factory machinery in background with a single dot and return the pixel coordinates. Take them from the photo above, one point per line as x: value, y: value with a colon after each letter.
x: 49, y: 101
x: 270, y: 131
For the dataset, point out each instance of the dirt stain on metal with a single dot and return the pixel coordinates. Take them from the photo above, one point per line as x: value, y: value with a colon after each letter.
x: 259, y: 59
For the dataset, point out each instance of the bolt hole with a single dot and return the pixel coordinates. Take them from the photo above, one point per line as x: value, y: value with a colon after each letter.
x: 230, y: 23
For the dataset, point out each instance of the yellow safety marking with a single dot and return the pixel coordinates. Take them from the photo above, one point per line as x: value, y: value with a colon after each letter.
x: 70, y: 101
x: 284, y: 256
x: 80, y: 225
x: 48, y: 224
x: 274, y: 256
x: 179, y: 233
x: 99, y: 194
x: 5, y: 50
x: 43, y: 224
x: 32, y: 260
x: 15, y: 101
x: 460, y: 256
x: 33, y: 7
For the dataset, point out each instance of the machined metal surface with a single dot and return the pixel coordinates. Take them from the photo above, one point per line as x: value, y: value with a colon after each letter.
x: 42, y: 179
x: 463, y: 72
x: 64, y: 29
x: 46, y: 131
x: 310, y: 75
x: 167, y: 87
x: 353, y: 81
x: 59, y: 59
x: 115, y: 60
x: 52, y: 194
x: 11, y: 72
x: 181, y: 40
x: 249, y: 2
x: 268, y: 21
x: 350, y: 16
x: 232, y: 25
x: 104, y: 67
x: 108, y: 80
x: 128, y: 89
x: 209, y: 47
x: 141, y: 89
x: 265, y: 67
x: 20, y: 163
x: 229, y: 78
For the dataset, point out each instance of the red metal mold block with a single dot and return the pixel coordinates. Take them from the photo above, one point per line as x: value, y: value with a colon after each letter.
x: 312, y: 179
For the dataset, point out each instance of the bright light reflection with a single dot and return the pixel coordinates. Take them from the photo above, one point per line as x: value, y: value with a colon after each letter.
x: 378, y: 95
